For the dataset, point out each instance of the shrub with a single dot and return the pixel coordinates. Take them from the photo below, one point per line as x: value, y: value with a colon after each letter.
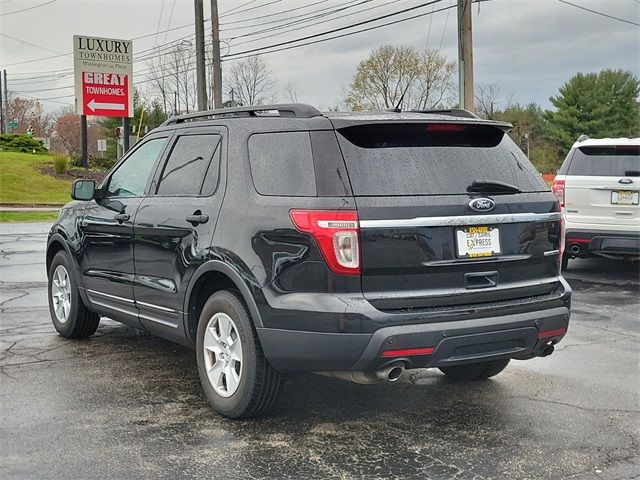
x: 102, y: 164
x: 60, y: 163
x: 20, y: 143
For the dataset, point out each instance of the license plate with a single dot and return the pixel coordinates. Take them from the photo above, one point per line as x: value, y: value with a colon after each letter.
x: 624, y: 197
x: 480, y: 241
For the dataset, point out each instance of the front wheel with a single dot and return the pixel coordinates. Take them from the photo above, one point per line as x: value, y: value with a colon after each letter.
x: 475, y: 371
x: 237, y: 379
x: 69, y: 315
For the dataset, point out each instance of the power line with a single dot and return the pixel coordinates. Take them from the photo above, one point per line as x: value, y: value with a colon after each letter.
x: 155, y: 41
x: 600, y: 13
x: 28, y: 8
x: 277, y: 13
x: 364, y: 22
x: 313, y: 25
x: 29, y: 43
x: 444, y: 30
x: 239, y: 6
x: 252, y: 8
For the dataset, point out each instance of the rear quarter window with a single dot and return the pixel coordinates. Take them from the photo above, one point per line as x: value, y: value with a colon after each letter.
x: 606, y: 161
x: 282, y: 164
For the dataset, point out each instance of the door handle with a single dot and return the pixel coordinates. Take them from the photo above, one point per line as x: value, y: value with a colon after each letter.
x: 122, y: 217
x: 197, y: 218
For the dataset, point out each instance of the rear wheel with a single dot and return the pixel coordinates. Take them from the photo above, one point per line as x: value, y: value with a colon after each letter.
x: 237, y: 379
x: 475, y: 371
x: 69, y: 315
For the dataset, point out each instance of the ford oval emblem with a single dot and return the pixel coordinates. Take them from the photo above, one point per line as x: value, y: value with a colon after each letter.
x: 625, y: 181
x: 482, y: 204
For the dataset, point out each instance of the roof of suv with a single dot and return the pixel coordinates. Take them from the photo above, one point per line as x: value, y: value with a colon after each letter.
x: 339, y: 119
x: 606, y: 142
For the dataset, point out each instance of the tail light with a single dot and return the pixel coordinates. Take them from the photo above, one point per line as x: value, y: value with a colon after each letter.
x: 558, y: 188
x: 562, y: 243
x: 337, y: 233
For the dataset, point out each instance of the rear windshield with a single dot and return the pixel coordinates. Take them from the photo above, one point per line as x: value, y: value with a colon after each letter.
x: 432, y: 159
x: 614, y: 161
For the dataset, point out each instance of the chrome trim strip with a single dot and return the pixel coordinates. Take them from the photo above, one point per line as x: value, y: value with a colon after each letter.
x: 551, y: 253
x: 463, y: 261
x: 463, y: 220
x: 156, y: 307
x: 111, y: 307
x: 114, y: 297
x: 157, y: 320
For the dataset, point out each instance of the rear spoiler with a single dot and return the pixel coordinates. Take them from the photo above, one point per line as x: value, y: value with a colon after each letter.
x: 339, y: 123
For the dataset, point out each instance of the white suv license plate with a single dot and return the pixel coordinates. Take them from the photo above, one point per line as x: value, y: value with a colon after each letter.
x: 480, y: 241
x: 624, y: 197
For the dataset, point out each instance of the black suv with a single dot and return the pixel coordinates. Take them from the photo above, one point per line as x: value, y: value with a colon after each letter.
x: 279, y: 238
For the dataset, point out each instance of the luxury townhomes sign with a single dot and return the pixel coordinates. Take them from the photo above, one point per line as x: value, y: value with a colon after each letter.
x: 103, y: 72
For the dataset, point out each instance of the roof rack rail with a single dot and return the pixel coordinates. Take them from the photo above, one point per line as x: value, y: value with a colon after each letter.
x: 289, y: 110
x: 453, y: 112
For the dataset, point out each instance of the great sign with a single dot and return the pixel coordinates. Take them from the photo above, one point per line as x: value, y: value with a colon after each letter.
x: 103, y: 69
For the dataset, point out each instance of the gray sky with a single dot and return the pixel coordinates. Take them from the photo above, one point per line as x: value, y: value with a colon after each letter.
x: 528, y: 47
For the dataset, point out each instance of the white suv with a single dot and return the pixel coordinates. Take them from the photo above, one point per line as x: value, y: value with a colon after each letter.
x: 598, y: 187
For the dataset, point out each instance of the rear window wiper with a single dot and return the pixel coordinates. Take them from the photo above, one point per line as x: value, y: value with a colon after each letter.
x: 492, y: 186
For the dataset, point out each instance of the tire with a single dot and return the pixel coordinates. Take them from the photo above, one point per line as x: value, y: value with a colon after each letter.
x: 565, y: 261
x: 475, y: 371
x: 70, y: 317
x: 237, y: 379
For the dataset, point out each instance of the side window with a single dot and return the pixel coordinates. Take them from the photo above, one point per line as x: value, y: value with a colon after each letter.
x: 191, y: 164
x: 131, y: 176
x: 282, y: 164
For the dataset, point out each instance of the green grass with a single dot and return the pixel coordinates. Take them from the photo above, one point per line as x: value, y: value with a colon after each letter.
x: 6, y: 217
x: 22, y: 183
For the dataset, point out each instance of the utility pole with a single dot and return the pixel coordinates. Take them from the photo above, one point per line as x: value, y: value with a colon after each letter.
x: 233, y: 97
x: 6, y: 103
x: 216, y: 81
x: 1, y: 107
x: 125, y: 134
x: 201, y: 76
x: 465, y: 56
x: 84, y: 141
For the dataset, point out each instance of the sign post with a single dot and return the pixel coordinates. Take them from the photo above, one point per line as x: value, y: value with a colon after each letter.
x: 103, y: 72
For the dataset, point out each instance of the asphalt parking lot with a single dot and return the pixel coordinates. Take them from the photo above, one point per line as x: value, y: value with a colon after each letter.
x: 124, y: 404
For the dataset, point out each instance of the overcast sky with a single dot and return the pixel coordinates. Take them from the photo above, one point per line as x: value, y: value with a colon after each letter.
x: 527, y: 47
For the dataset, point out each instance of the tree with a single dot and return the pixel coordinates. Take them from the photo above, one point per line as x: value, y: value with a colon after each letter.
x: 487, y: 100
x: 251, y: 81
x: 28, y: 113
x: 172, y: 78
x: 66, y: 135
x: 530, y: 132
x: 600, y: 105
x: 401, y: 76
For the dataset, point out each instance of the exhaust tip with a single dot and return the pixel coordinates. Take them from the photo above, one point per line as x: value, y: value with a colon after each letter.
x: 548, y: 350
x: 394, y: 374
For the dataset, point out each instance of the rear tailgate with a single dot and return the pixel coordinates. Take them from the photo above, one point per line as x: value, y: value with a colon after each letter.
x: 422, y: 243
x: 602, y: 186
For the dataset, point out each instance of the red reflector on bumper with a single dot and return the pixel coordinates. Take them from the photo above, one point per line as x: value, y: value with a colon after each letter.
x: 407, y: 352
x: 552, y: 333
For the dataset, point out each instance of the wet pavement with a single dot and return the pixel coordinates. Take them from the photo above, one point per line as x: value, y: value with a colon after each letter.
x: 124, y: 404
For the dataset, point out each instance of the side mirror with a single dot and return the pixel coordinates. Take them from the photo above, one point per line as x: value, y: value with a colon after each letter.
x: 83, y: 190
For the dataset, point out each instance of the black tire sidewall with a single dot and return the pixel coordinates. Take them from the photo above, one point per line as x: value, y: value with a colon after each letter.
x: 66, y: 329
x: 236, y: 404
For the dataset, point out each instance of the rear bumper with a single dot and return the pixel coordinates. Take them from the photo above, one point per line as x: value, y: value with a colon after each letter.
x: 582, y: 242
x: 453, y: 342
